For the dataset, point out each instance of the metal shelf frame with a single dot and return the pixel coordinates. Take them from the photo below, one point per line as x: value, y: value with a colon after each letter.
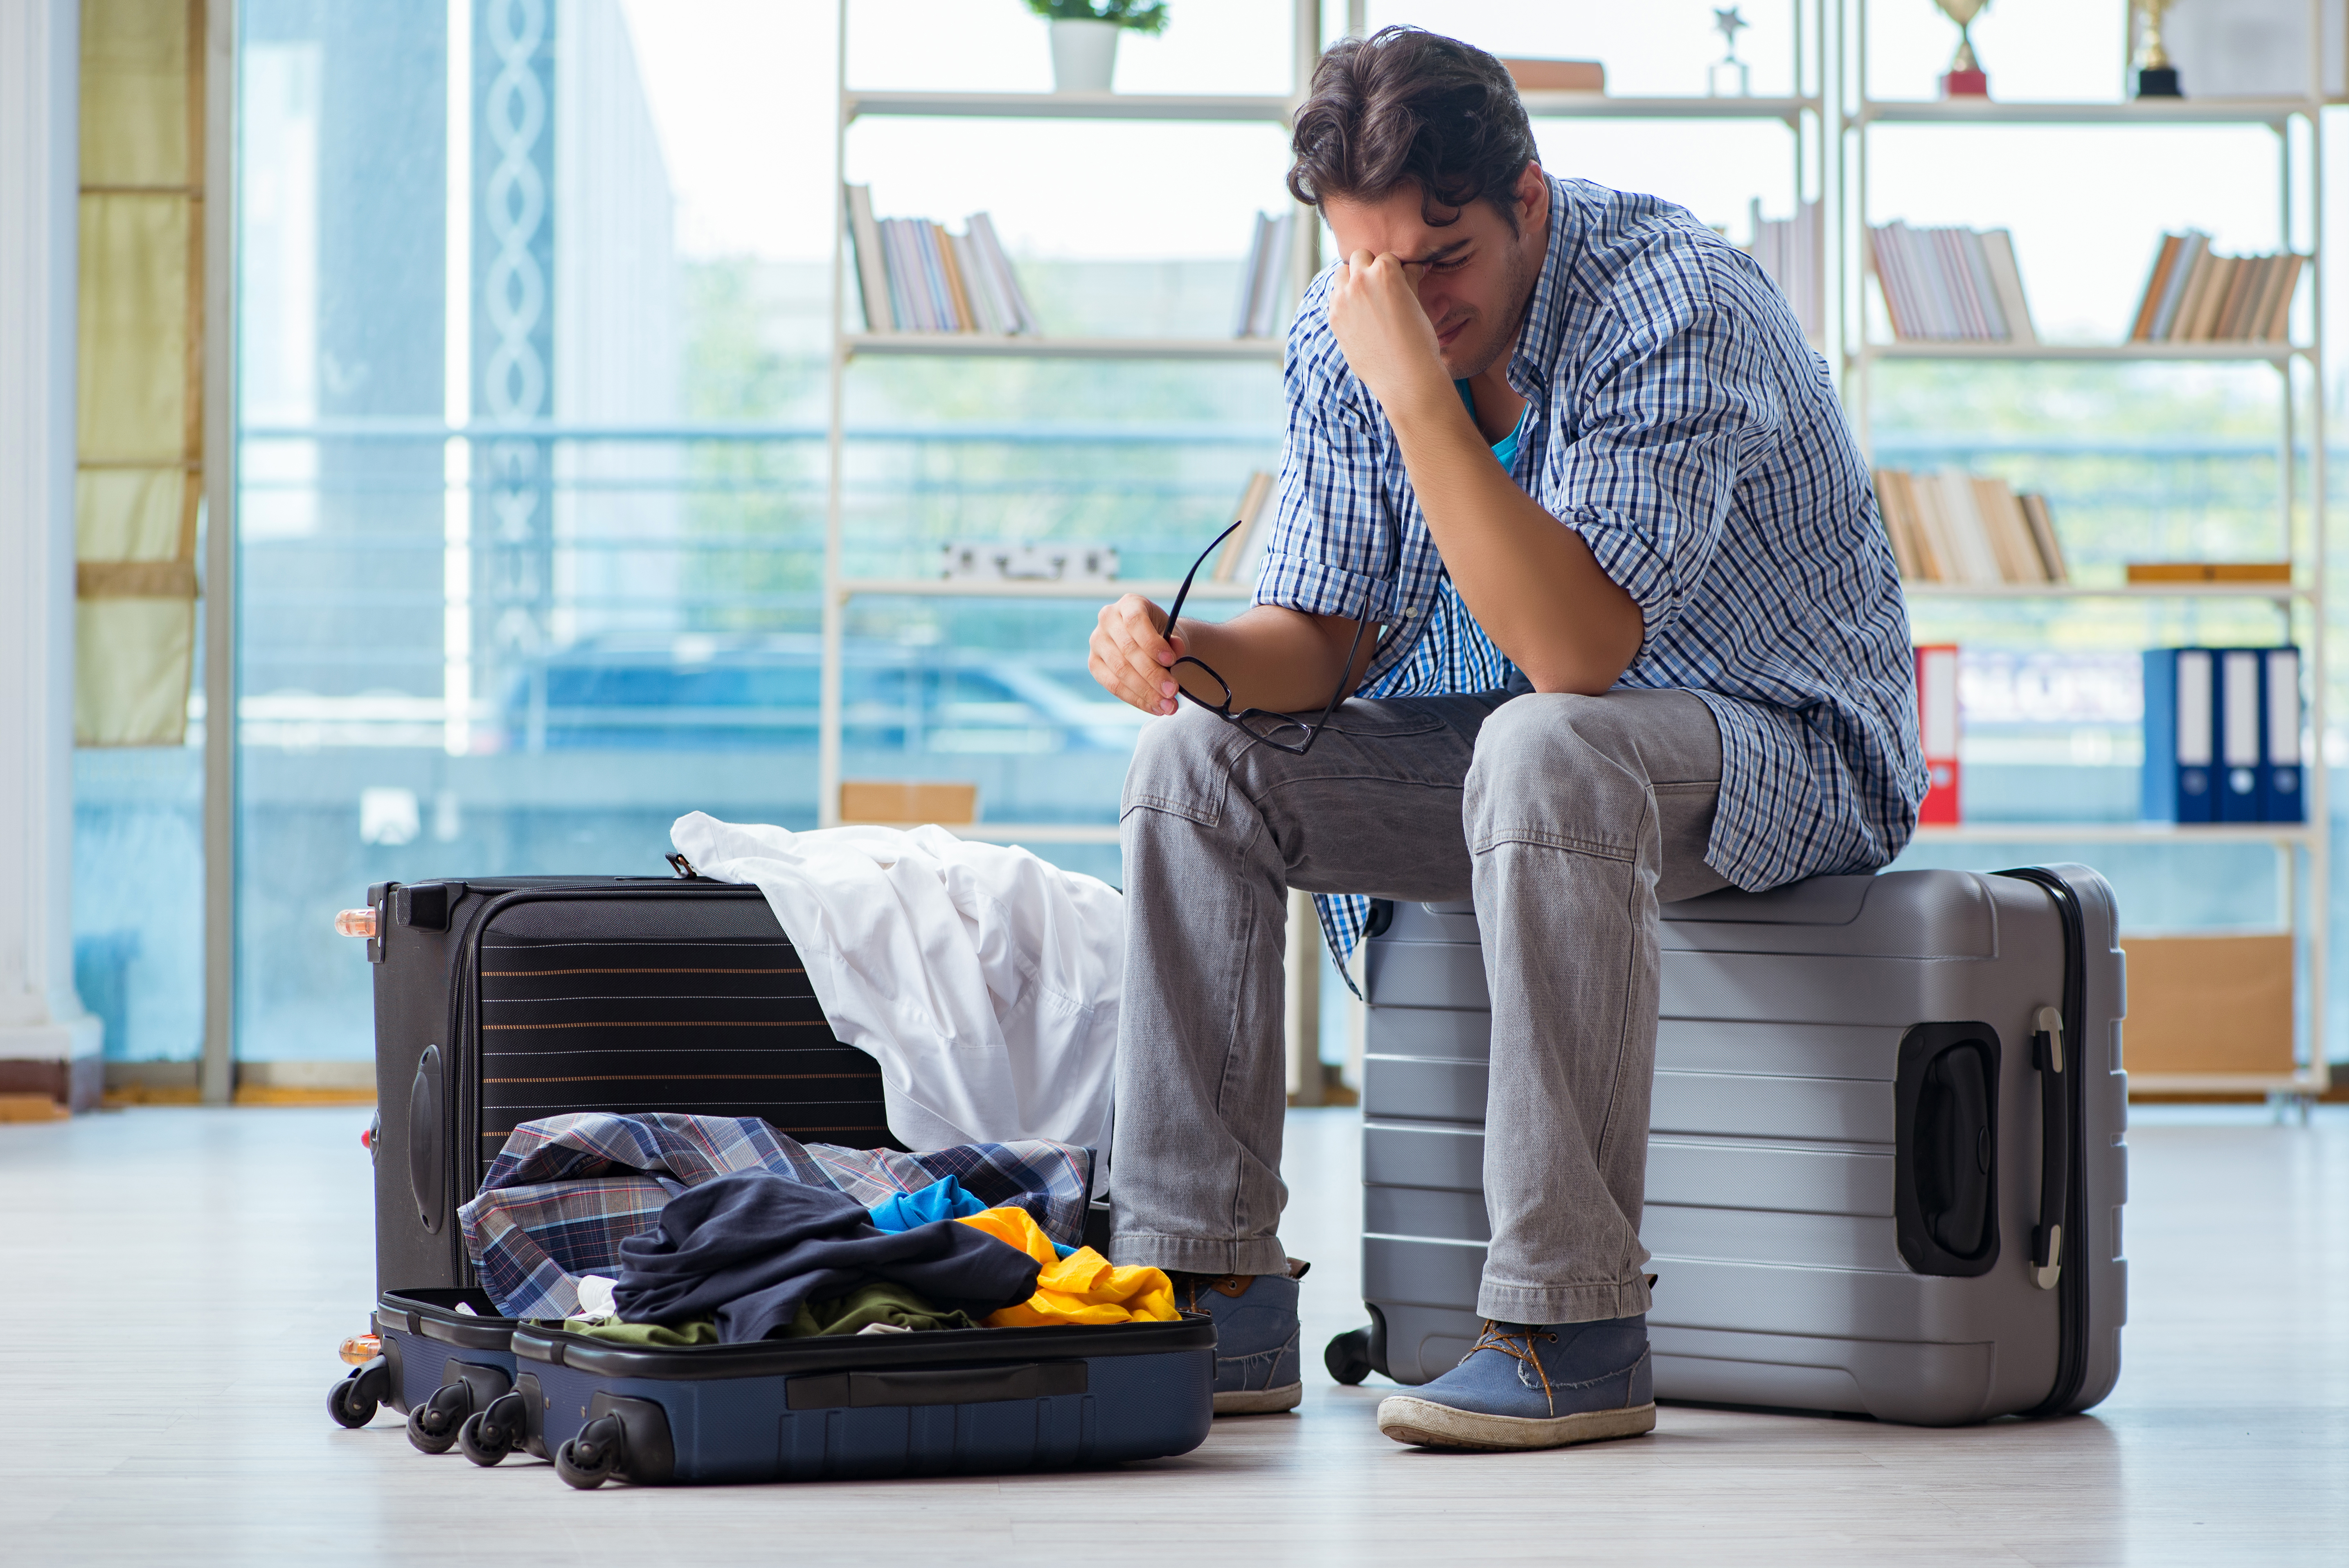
x: 2303, y: 851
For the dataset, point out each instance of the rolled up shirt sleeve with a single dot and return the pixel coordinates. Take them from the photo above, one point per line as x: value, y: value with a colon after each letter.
x: 1676, y: 402
x: 1329, y: 551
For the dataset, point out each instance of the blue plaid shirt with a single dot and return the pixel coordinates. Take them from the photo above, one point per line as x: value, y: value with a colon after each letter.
x: 1681, y: 425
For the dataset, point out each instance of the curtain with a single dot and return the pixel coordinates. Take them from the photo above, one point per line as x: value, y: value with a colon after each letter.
x: 140, y: 417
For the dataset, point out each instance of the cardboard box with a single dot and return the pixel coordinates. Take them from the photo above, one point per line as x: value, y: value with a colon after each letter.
x: 900, y: 803
x: 1558, y: 75
x: 2208, y: 1005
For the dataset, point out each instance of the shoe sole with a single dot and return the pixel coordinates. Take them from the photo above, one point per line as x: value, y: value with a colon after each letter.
x: 1260, y: 1401
x: 1427, y: 1424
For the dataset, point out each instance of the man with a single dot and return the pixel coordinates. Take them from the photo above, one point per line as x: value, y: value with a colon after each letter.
x: 1643, y: 638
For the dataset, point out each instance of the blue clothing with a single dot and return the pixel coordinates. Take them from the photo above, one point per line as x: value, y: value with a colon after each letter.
x: 1680, y: 423
x: 1505, y: 448
x: 941, y: 1200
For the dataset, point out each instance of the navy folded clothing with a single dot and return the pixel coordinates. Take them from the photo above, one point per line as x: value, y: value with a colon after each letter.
x: 747, y: 1250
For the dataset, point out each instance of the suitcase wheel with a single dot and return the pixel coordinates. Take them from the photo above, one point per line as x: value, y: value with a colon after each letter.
x: 355, y: 1398
x: 1348, y: 1356
x: 432, y: 1425
x: 489, y: 1436
x: 593, y: 1458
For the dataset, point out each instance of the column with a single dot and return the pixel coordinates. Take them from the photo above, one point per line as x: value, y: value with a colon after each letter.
x: 48, y: 1044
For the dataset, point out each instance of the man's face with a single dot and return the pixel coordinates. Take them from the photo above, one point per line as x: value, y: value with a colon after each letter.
x: 1477, y: 276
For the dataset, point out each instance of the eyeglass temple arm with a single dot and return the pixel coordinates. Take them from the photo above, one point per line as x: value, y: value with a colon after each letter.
x: 1185, y: 592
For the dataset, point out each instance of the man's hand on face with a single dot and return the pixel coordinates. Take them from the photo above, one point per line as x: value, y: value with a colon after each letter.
x: 1388, y: 341
x: 1130, y: 658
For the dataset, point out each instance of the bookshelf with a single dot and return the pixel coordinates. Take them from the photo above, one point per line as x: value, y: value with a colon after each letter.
x: 2303, y: 849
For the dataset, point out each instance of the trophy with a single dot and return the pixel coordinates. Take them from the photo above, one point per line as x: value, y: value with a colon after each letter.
x: 1729, y: 77
x: 2156, y: 77
x: 1965, y: 78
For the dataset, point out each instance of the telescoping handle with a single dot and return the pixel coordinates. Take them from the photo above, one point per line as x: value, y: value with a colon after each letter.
x: 2055, y: 1149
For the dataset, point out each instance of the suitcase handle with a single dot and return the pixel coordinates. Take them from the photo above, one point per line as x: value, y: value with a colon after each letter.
x: 2055, y: 1149
x: 950, y: 1385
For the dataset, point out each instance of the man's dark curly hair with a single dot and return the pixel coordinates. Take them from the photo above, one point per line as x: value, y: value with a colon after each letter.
x: 1407, y: 106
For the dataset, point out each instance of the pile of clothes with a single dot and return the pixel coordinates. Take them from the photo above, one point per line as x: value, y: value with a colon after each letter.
x: 662, y: 1229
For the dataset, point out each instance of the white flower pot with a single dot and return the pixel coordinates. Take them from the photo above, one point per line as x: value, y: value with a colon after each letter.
x: 1084, y: 55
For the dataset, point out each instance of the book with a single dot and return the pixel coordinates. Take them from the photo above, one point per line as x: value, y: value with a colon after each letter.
x: 871, y: 273
x: 2180, y: 739
x: 1938, y: 728
x: 1007, y: 278
x: 1788, y: 249
x: 2276, y: 327
x: 1957, y: 528
x: 1961, y: 524
x: 1951, y: 284
x: 1264, y: 276
x: 2043, y: 534
x: 2006, y: 284
x: 2243, y: 277
x: 2283, y: 794
x: 1254, y: 515
x: 2192, y: 246
x: 2007, y: 532
x: 1898, y: 306
x: 2165, y: 262
x: 2241, y: 721
x: 961, y: 317
x: 1989, y: 320
x: 1891, y: 511
x: 2209, y: 571
x: 913, y: 276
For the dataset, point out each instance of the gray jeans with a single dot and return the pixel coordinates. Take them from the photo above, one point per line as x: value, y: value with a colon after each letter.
x: 1566, y: 818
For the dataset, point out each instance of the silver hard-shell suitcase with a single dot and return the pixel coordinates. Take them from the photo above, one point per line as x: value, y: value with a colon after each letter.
x: 1885, y: 1166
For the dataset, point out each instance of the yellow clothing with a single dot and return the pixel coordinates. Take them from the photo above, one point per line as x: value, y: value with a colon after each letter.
x: 1083, y: 1287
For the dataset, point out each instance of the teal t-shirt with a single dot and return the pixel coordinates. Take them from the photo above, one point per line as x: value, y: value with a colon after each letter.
x: 1505, y: 448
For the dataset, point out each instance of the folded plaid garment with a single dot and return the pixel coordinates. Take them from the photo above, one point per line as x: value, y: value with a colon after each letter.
x: 565, y: 1191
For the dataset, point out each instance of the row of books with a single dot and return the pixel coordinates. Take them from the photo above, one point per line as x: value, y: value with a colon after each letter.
x: 2222, y: 736
x: 2195, y: 295
x: 912, y: 275
x: 1960, y: 528
x: 1951, y: 285
x: 1788, y: 249
x: 1264, y: 278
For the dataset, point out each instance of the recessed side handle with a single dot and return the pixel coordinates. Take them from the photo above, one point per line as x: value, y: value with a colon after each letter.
x: 424, y: 1162
x: 2055, y: 1149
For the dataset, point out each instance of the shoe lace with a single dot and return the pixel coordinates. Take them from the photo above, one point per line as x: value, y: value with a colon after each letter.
x: 1518, y: 1346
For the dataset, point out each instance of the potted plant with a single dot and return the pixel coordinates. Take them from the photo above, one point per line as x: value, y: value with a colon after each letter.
x: 1084, y: 37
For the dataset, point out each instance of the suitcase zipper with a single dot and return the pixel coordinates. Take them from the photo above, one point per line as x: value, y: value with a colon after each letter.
x: 2064, y: 1093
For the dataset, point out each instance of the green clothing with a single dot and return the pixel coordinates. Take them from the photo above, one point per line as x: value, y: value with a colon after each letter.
x: 702, y: 1331
x: 880, y: 1302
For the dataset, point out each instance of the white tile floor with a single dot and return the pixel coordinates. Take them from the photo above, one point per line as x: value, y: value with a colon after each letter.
x: 173, y: 1282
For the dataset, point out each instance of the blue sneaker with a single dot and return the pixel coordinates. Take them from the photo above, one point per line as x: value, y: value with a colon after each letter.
x: 1257, y: 1368
x: 1534, y: 1385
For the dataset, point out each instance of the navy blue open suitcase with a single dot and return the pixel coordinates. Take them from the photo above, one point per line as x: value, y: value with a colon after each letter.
x: 648, y: 973
x: 868, y: 1406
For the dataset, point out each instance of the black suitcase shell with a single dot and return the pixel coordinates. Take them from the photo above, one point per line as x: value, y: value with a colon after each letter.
x: 499, y: 1000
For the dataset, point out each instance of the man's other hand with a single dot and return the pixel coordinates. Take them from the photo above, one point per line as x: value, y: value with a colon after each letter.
x: 1383, y: 331
x: 1132, y: 659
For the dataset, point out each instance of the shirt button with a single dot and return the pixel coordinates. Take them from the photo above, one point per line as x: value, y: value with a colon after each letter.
x: 1409, y: 611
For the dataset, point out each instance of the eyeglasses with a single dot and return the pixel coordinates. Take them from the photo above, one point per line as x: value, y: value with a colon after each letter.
x: 1283, y: 731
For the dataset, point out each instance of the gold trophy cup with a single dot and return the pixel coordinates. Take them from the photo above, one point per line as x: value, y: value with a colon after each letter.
x: 2156, y: 77
x: 1965, y: 78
